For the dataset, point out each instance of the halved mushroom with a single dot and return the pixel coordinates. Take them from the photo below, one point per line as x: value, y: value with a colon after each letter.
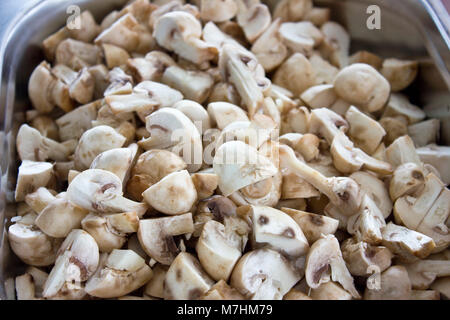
x: 101, y: 191
x: 151, y: 167
x: 217, y: 251
x: 222, y: 291
x: 156, y: 236
x: 362, y: 85
x: 77, y: 54
x: 31, y: 245
x: 336, y: 44
x: 31, y: 145
x: 349, y: 159
x: 59, y: 217
x: 174, y: 194
x: 343, y: 192
x: 180, y: 32
x: 253, y: 17
x: 406, y: 243
x: 326, y: 123
x: 295, y: 74
x: 313, y: 225
x: 170, y: 129
x: 224, y: 113
x: 399, y: 73
x: 324, y: 255
x: 423, y: 273
x: 275, y: 229
x: 269, y: 48
x: 399, y: 105
x: 362, y: 258
x: 300, y: 36
x: 31, y: 176
x: 119, y: 273
x: 186, y: 279
x: 78, y: 258
x: 425, y: 132
x: 401, y: 151
x: 394, y: 285
x: 366, y: 132
x: 264, y: 274
x: 195, y: 85
x: 218, y: 10
x: 239, y: 165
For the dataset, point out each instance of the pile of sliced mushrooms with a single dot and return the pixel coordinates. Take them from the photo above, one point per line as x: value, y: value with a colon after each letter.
x: 346, y: 198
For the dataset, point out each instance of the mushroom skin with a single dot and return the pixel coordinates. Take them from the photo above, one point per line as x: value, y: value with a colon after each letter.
x: 362, y: 85
x: 264, y: 274
x: 106, y: 237
x: 324, y: 255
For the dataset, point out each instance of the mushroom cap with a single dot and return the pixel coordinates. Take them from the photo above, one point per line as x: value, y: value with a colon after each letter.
x: 95, y: 141
x: 362, y: 85
x: 156, y: 236
x: 99, y: 229
x: 264, y: 266
x: 324, y: 255
x: 117, y: 161
x: 216, y: 253
x: 31, y: 245
x: 239, y: 165
x: 173, y: 194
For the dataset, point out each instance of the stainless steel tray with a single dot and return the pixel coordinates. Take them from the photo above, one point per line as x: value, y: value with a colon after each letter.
x: 409, y: 29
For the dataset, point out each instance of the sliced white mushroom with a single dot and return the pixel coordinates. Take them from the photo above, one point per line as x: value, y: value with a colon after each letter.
x: 73, y: 124
x: 336, y: 44
x: 224, y: 113
x: 425, y: 132
x: 196, y: 113
x: 216, y: 250
x: 362, y: 85
x: 399, y: 73
x: 239, y: 165
x: 31, y: 145
x: 407, y: 179
x: 324, y: 255
x: 401, y: 151
x: 253, y: 17
x: 218, y: 10
x: 321, y: 96
x: 101, y: 191
x: 313, y: 225
x: 326, y: 123
x: 325, y: 74
x: 119, y: 273
x: 174, y: 194
x: 264, y: 274
x: 39, y: 199
x: 276, y: 230
x: 406, y: 243
x: 343, y: 192
x: 300, y: 36
x: 180, y: 32
x: 59, y: 217
x: 50, y: 43
x: 399, y: 105
x: 394, y: 285
x: 295, y: 74
x: 156, y: 236
x: 269, y: 48
x: 205, y: 183
x: 31, y: 176
x: 348, y: 159
x: 186, y: 279
x: 366, y: 132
